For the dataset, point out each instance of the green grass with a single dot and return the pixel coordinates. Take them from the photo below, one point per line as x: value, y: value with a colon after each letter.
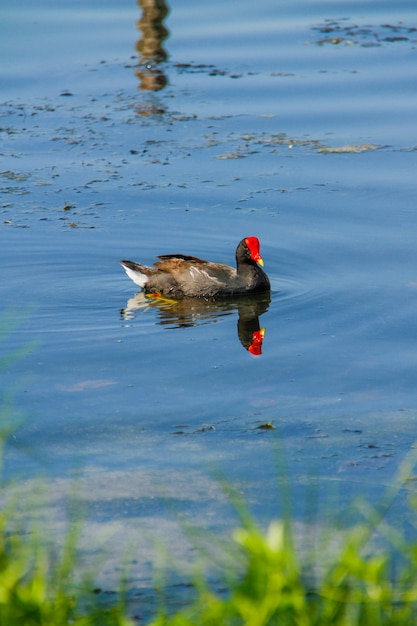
x: 272, y: 589
x: 266, y: 584
x: 38, y: 588
x: 364, y: 575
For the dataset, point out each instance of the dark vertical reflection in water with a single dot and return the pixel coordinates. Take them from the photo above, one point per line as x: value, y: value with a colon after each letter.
x: 150, y: 45
x: 188, y: 312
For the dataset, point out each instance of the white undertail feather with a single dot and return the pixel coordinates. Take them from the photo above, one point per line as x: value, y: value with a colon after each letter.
x: 137, y: 277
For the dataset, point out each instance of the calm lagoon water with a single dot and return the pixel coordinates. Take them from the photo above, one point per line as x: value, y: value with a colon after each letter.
x: 120, y: 139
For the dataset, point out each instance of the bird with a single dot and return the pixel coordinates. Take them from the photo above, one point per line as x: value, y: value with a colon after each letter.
x: 182, y: 276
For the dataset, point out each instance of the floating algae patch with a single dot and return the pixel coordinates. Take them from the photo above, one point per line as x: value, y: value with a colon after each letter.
x: 348, y: 149
x: 345, y: 32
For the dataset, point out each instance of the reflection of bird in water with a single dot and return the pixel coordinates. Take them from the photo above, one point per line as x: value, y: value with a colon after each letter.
x: 150, y: 46
x: 250, y: 334
x: 179, y: 275
x: 188, y: 312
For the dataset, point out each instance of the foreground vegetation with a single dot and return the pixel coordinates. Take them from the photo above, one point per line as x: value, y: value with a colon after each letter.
x: 267, y: 582
x: 365, y: 575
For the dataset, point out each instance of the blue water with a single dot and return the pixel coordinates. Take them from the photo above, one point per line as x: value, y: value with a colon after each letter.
x: 263, y: 126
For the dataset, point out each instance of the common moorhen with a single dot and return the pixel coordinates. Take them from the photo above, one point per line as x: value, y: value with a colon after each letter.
x: 179, y: 275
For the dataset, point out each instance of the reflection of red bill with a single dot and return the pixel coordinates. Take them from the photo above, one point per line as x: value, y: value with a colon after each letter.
x: 255, y: 347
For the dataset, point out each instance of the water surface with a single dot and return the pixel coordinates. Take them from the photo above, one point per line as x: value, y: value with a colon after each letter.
x: 294, y: 124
